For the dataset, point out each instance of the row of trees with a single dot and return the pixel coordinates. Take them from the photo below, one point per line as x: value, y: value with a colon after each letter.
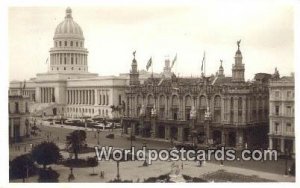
x: 43, y: 154
x: 47, y: 153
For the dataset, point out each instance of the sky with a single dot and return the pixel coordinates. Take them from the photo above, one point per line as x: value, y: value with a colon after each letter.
x: 112, y: 32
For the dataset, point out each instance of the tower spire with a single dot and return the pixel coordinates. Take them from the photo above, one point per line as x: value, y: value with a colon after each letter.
x: 238, y: 68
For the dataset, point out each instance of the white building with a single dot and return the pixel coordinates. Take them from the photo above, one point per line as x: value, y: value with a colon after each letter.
x: 282, y: 120
x: 18, y: 110
x: 68, y: 88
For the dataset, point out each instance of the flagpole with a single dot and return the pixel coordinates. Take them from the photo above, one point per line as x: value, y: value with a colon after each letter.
x: 152, y: 67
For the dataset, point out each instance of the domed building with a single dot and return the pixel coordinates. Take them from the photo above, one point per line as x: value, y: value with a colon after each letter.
x: 68, y: 89
x: 68, y: 54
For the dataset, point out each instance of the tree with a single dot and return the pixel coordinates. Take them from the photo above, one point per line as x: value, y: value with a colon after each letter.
x: 75, y: 141
x: 22, y: 167
x: 48, y: 175
x: 92, y: 162
x: 46, y: 153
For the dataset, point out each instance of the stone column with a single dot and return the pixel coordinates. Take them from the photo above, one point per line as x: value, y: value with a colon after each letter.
x: 180, y: 134
x: 44, y: 95
x: 12, y: 127
x: 86, y: 97
x: 93, y: 97
x: 153, y: 127
x: 75, y: 96
x: 72, y: 96
x: 41, y: 94
x: 81, y: 96
x: 90, y: 100
x: 235, y: 109
x: 282, y: 145
x: 239, y: 138
x: 96, y: 97
x: 133, y: 128
x: 270, y: 143
x: 167, y: 132
x: 244, y: 109
x: 47, y: 95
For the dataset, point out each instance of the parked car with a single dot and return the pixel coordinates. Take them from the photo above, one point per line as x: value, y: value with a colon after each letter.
x: 117, y: 125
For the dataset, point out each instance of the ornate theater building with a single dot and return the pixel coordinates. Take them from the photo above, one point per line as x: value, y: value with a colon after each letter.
x: 206, y: 110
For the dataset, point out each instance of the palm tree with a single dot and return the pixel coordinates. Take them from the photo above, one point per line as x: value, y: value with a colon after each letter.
x: 75, y: 141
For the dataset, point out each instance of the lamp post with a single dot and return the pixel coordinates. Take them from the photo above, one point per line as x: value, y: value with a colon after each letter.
x: 131, y: 136
x: 118, y: 170
x: 98, y: 138
x: 145, y: 162
x: 286, y: 173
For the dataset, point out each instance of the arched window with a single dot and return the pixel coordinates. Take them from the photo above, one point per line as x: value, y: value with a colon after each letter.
x: 65, y: 60
x: 71, y: 43
x: 240, y: 108
x: 59, y: 43
x: 66, y: 43
x: 72, y: 60
x: 175, y: 107
x: 76, y: 44
x: 202, y: 102
x: 17, y: 107
x: 150, y: 100
x: 162, y: 106
x: 217, y: 109
x: 231, y: 109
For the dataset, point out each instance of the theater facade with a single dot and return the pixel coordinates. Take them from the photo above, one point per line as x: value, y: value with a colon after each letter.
x: 209, y: 110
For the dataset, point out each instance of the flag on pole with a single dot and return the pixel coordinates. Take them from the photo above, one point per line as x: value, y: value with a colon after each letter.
x: 47, y: 60
x: 149, y: 63
x: 161, y: 81
x: 203, y: 61
x: 174, y: 60
x: 24, y: 84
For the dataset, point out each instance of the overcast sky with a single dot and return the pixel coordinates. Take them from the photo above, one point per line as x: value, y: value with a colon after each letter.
x: 113, y: 32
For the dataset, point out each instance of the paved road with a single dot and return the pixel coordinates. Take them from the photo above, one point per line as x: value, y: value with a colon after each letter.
x: 58, y: 134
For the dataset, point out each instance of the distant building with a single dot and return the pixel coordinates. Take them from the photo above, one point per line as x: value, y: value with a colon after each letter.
x: 18, y: 108
x: 282, y: 113
x: 206, y: 110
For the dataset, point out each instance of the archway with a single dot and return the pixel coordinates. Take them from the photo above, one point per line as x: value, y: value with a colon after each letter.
x: 231, y: 139
x: 173, y: 133
x: 217, y: 137
x: 161, y: 131
x: 54, y: 110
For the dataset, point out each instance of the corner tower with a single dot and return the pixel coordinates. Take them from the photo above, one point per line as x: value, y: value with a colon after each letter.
x: 238, y: 68
x: 134, y: 74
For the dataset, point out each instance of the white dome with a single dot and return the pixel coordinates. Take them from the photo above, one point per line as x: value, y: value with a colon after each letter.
x: 68, y: 28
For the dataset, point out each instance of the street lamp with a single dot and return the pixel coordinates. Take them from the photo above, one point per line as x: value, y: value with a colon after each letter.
x: 118, y: 170
x: 286, y: 162
x: 131, y: 136
x: 98, y: 139
x: 145, y: 162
